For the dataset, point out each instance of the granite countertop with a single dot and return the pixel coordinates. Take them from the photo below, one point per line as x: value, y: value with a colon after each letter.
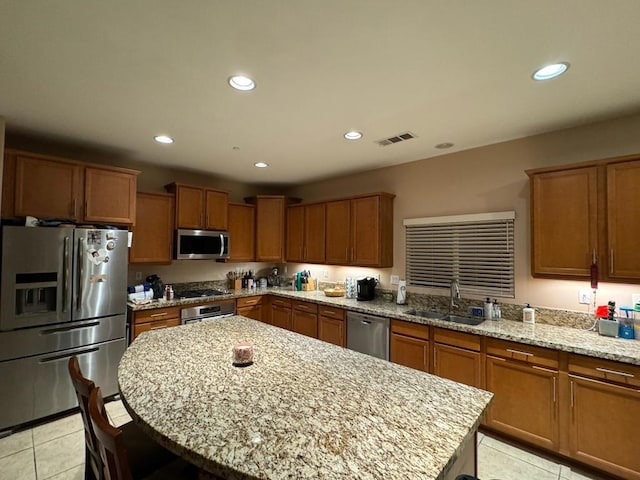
x: 567, y: 339
x: 303, y: 409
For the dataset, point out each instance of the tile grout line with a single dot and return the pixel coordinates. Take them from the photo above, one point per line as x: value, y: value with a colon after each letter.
x: 33, y: 446
x: 527, y: 462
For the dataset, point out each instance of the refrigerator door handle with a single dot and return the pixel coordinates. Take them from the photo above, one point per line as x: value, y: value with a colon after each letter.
x: 81, y: 275
x: 68, y: 329
x: 68, y: 355
x: 65, y: 275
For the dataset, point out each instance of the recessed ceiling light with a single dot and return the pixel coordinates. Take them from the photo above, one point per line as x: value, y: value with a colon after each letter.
x: 240, y: 82
x: 163, y: 139
x: 353, y: 135
x: 444, y: 145
x: 261, y: 165
x: 550, y: 71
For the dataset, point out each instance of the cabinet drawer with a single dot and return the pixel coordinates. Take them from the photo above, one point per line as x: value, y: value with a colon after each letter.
x: 305, y: 307
x: 522, y: 352
x: 157, y: 314
x: 281, y: 302
x: 416, y: 330
x: 331, y: 312
x: 248, y: 301
x: 457, y: 339
x: 605, y: 369
x: 143, y: 327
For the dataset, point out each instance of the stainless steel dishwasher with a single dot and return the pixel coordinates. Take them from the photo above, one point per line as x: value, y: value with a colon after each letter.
x: 368, y: 334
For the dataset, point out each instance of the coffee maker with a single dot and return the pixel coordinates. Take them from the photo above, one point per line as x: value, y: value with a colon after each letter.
x: 366, y: 288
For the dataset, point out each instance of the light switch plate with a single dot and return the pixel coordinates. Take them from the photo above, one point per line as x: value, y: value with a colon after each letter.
x: 585, y: 297
x: 635, y: 298
x: 395, y: 279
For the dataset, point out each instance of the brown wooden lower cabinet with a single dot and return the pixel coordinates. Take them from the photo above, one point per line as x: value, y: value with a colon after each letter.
x: 456, y: 356
x: 280, y: 313
x: 409, y: 345
x: 604, y: 399
x: 153, y: 319
x: 331, y: 326
x: 305, y: 323
x: 525, y: 402
x: 250, y: 307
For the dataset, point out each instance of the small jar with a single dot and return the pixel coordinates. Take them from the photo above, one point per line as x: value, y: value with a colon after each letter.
x: 243, y: 354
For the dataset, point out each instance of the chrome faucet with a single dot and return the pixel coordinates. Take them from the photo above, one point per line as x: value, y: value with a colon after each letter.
x: 455, y: 294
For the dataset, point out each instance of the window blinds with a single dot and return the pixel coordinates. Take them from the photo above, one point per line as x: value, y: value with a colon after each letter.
x: 476, y: 249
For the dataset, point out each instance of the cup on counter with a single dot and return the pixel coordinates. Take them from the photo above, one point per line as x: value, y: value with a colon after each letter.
x: 242, y: 354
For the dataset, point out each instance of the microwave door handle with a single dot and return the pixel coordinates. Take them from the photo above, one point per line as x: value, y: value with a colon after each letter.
x: 221, y: 245
x: 65, y: 274
x: 81, y: 274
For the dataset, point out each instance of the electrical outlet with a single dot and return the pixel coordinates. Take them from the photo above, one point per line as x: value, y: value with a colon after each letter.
x: 325, y: 273
x: 584, y: 297
x: 635, y: 298
x: 395, y: 279
x: 377, y: 277
x: 138, y: 275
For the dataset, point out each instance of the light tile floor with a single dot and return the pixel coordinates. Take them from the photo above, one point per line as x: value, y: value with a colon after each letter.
x: 55, y: 451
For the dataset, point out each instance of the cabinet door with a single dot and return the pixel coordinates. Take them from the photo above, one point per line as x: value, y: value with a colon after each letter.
x: 457, y: 364
x: 305, y: 323
x: 338, y: 228
x: 520, y: 389
x: 331, y: 330
x: 251, y: 311
x: 295, y: 233
x: 270, y: 218
x: 314, y: 233
x: 410, y: 352
x: 216, y: 209
x: 109, y: 196
x: 564, y: 222
x: 153, y: 231
x: 603, y: 421
x: 241, y: 232
x: 189, y: 207
x: 281, y: 317
x: 623, y: 209
x: 47, y: 188
x: 365, y: 230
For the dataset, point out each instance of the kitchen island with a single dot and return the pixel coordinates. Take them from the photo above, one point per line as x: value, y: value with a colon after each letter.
x: 303, y: 409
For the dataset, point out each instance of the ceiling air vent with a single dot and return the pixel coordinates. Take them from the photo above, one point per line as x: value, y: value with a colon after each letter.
x: 396, y: 139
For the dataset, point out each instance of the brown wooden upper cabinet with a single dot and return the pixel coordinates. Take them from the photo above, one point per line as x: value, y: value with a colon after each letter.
x: 270, y: 226
x: 153, y: 231
x: 51, y: 187
x: 200, y: 207
x: 306, y: 233
x: 359, y: 231
x: 242, y: 232
x: 586, y: 213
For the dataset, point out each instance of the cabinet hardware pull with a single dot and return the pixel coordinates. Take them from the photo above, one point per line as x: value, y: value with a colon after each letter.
x: 158, y: 314
x: 571, y: 385
x: 615, y: 372
x: 327, y: 312
x: 157, y: 327
x: 594, y: 259
x: 611, y: 262
x: 554, y: 389
x: 526, y: 354
x: 435, y: 359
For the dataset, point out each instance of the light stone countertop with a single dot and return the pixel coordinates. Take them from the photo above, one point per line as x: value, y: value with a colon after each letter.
x: 303, y: 409
x: 567, y: 339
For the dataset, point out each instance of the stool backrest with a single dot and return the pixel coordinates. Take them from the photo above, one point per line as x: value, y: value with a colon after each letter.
x: 113, y: 452
x: 83, y: 387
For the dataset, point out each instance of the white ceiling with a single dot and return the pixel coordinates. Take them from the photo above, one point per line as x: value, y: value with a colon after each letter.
x: 115, y: 73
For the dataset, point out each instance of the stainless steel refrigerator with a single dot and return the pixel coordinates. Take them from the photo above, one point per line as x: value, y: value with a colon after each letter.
x: 63, y: 293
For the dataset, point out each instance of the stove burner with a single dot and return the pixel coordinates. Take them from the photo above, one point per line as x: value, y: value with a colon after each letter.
x: 213, y: 292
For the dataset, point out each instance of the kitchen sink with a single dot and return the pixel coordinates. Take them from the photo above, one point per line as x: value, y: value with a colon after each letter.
x: 445, y: 317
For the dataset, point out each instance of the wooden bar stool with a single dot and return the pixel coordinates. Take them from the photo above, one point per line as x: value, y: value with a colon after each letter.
x: 144, y: 455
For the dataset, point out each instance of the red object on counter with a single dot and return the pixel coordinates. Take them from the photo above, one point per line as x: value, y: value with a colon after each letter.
x: 602, y: 311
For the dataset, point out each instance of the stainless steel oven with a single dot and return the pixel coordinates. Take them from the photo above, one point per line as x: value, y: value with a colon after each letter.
x: 203, y: 313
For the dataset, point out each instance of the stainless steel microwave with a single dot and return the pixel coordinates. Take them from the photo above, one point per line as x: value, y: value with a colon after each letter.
x: 201, y: 245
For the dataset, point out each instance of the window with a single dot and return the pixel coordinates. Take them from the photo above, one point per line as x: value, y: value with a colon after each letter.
x: 476, y: 249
